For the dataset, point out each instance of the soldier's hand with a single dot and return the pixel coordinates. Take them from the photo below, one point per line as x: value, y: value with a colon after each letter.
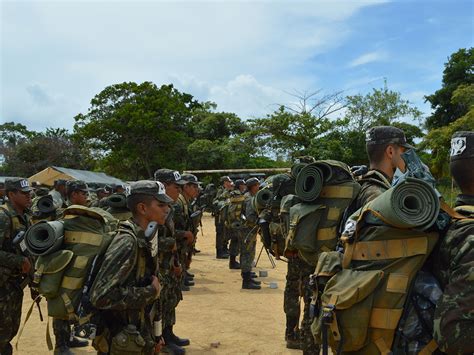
x: 189, y: 237
x: 25, y: 266
x: 155, y: 283
x: 159, y: 345
x: 175, y: 248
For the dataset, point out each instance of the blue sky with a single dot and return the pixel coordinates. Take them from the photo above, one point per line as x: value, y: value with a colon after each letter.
x: 244, y: 55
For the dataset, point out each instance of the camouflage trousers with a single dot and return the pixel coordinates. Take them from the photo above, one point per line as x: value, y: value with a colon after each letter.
x: 170, y: 296
x: 220, y: 234
x: 247, y: 238
x: 234, y: 246
x: 297, y: 285
x: 11, y: 299
x: 62, y: 332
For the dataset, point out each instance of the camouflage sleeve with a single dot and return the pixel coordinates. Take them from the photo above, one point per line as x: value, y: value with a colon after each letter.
x: 166, y: 240
x: 7, y: 258
x: 249, y: 211
x: 108, y: 290
x: 454, y: 314
x: 368, y: 193
x: 178, y: 217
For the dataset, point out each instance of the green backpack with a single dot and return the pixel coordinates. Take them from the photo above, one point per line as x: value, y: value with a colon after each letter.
x: 66, y: 274
x: 314, y: 227
x: 234, y: 211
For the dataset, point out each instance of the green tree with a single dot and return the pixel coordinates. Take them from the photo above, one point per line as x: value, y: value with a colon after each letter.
x: 458, y: 70
x: 437, y: 141
x: 134, y: 129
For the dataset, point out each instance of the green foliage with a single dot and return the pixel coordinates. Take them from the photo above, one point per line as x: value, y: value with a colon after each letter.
x: 137, y: 128
x: 438, y: 140
x: 28, y: 152
x: 458, y: 70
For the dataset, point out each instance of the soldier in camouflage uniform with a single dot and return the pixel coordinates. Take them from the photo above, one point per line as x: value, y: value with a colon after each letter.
x: 170, y: 266
x: 223, y: 193
x: 454, y: 261
x: 385, y: 145
x: 77, y: 194
x: 184, y: 225
x: 116, y: 205
x: 126, y: 287
x: 234, y: 246
x: 248, y: 236
x: 59, y: 193
x: 14, y: 267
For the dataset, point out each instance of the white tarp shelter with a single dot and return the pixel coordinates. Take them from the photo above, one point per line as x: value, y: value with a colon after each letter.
x: 48, y: 175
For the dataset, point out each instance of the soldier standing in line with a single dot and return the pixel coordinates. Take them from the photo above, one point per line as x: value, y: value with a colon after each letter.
x: 454, y: 260
x: 126, y: 286
x: 59, y: 193
x: 183, y: 223
x: 223, y: 193
x: 76, y: 194
x: 234, y: 247
x: 248, y: 236
x: 170, y: 267
x: 14, y: 267
x: 385, y: 145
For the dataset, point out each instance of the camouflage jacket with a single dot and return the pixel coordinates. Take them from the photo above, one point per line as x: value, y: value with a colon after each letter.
x: 166, y: 243
x: 249, y: 211
x: 181, y: 219
x: 122, y: 288
x: 373, y: 184
x: 10, y: 224
x: 454, y: 268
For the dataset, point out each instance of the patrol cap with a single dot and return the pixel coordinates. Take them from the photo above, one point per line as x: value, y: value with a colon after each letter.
x: 252, y: 181
x: 60, y: 182
x: 190, y: 179
x: 225, y: 178
x: 76, y: 185
x: 386, y: 135
x: 462, y: 145
x: 17, y: 184
x: 239, y: 182
x: 167, y: 175
x: 152, y: 188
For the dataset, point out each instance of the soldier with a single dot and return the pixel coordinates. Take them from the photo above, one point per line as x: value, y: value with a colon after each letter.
x: 454, y: 262
x: 240, y: 185
x: 184, y: 225
x: 77, y: 193
x: 170, y: 266
x: 248, y: 236
x: 117, y: 206
x: 2, y: 193
x: 126, y: 286
x: 385, y: 145
x: 14, y: 267
x: 234, y: 247
x: 221, y: 237
x: 59, y: 193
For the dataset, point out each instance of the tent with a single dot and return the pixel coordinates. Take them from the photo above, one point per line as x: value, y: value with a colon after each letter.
x: 48, y: 175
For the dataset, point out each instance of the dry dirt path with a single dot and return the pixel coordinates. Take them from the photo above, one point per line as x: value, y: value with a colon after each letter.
x: 216, y: 310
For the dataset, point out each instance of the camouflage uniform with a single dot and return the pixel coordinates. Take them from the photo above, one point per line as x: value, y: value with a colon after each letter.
x: 11, y: 279
x: 233, y: 234
x: 121, y: 290
x: 182, y: 223
x: 170, y: 275
x: 248, y: 235
x: 454, y: 315
x: 373, y: 184
x: 222, y: 237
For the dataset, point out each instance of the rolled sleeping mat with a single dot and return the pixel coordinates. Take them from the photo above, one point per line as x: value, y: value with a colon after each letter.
x: 46, y: 205
x: 44, y: 237
x: 296, y: 168
x: 309, y: 182
x: 117, y: 201
x: 413, y: 203
x: 263, y: 198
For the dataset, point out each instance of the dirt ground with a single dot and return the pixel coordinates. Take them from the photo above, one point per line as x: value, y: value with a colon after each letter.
x: 216, y: 310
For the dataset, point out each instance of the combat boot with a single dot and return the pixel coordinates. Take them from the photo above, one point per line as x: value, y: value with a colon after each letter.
x: 177, y: 340
x: 256, y: 282
x: 188, y: 282
x: 188, y: 274
x: 292, y: 335
x: 253, y: 275
x: 221, y: 254
x: 233, y: 264
x: 247, y: 283
x: 170, y: 346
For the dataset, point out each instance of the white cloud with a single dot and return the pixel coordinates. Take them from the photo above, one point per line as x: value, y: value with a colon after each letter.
x: 368, y: 58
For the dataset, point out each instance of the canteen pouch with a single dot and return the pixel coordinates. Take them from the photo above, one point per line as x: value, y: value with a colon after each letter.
x: 50, y: 270
x: 128, y: 341
x: 346, y: 308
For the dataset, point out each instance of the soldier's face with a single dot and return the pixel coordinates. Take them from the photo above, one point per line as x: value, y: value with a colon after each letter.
x: 20, y: 199
x: 192, y: 190
x: 156, y: 211
x: 228, y: 185
x: 173, y: 190
x: 79, y: 198
x: 397, y: 160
